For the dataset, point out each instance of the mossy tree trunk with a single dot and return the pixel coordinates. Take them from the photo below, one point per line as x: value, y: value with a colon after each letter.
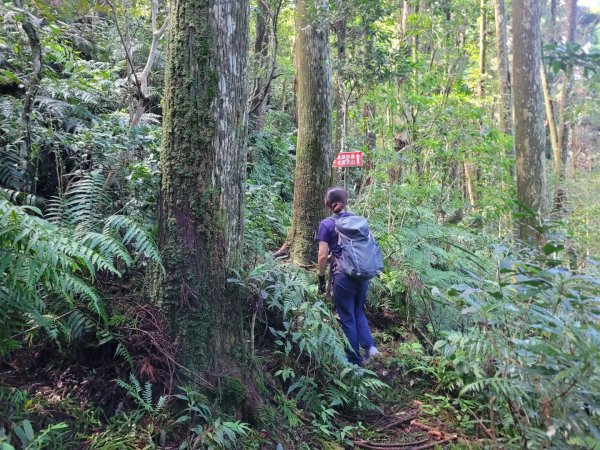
x: 530, y: 136
x: 314, y: 153
x: 203, y: 164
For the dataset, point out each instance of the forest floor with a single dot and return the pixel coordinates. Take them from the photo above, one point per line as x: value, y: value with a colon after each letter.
x: 412, y: 414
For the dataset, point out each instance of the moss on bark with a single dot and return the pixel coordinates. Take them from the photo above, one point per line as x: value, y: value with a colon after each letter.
x: 202, y: 162
x: 314, y: 153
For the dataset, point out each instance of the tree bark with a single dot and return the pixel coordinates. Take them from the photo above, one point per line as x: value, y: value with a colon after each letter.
x: 405, y: 14
x: 203, y: 164
x: 556, y: 155
x: 565, y: 93
x: 469, y: 184
x: 482, y: 47
x: 314, y: 154
x: 157, y: 34
x: 530, y: 135
x: 339, y: 98
x: 503, y: 71
x: 28, y: 168
x: 264, y: 62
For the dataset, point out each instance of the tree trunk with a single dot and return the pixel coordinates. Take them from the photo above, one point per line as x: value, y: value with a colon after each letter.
x: 405, y: 14
x: 339, y: 98
x: 264, y: 61
x: 565, y: 93
x: 482, y: 47
x: 203, y: 164
x: 314, y: 150
x: 469, y: 184
x: 257, y: 101
x: 157, y: 34
x: 556, y: 156
x: 530, y: 136
x: 28, y: 167
x: 503, y: 71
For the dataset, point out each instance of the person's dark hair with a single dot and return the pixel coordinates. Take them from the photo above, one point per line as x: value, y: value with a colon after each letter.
x: 336, y: 199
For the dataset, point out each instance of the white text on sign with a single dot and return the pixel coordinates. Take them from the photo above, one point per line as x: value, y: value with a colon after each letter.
x: 349, y: 159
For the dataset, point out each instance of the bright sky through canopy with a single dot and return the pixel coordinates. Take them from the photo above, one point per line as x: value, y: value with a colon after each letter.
x: 589, y: 3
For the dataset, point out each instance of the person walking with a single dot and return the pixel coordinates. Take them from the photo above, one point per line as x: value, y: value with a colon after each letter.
x: 349, y: 293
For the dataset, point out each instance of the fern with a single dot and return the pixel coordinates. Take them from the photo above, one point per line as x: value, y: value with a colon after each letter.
x: 143, y: 395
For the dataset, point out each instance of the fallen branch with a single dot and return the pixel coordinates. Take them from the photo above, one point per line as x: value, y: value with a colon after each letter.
x: 389, y: 445
x: 434, y: 443
x: 434, y: 432
x: 398, y: 422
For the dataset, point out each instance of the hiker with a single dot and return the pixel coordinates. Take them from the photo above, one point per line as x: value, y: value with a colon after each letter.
x: 349, y: 293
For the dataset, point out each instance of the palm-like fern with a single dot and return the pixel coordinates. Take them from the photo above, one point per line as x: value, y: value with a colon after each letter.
x: 41, y: 267
x: 47, y: 266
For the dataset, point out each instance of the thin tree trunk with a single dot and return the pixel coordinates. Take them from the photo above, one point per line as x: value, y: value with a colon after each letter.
x: 201, y: 198
x: 503, y: 71
x: 405, y: 14
x: 28, y: 168
x: 482, y: 47
x: 469, y: 184
x: 157, y: 34
x: 556, y: 156
x: 565, y: 93
x: 530, y: 135
x: 314, y: 150
x: 265, y: 54
x: 339, y: 97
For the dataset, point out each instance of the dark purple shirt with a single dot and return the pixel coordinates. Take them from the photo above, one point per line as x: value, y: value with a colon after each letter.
x: 328, y: 234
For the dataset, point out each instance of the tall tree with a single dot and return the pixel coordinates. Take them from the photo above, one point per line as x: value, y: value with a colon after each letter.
x: 339, y: 97
x: 556, y: 156
x: 263, y: 60
x: 503, y: 71
x: 565, y: 93
x: 530, y: 136
x: 482, y: 46
x: 314, y: 153
x: 26, y: 160
x: 203, y: 163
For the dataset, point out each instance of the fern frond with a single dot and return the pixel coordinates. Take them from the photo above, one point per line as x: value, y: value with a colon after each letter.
x: 134, y: 234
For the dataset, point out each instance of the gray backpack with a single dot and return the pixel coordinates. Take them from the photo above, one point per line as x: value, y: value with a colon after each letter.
x: 361, y: 256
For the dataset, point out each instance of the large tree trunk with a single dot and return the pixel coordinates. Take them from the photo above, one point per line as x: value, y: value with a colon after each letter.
x: 203, y: 164
x: 503, y: 71
x: 565, y: 93
x: 530, y: 136
x: 314, y: 150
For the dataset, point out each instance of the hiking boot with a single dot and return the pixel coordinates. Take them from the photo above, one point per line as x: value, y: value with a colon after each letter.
x: 372, y: 354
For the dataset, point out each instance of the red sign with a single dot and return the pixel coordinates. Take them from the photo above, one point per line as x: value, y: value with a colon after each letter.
x: 349, y: 159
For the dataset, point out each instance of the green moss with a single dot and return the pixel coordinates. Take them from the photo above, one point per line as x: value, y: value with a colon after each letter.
x: 232, y: 393
x: 267, y: 417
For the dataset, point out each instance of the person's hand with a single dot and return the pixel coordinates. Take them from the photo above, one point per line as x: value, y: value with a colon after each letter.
x: 322, y: 284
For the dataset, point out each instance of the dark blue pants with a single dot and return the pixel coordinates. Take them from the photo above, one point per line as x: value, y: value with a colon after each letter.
x: 349, y: 296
